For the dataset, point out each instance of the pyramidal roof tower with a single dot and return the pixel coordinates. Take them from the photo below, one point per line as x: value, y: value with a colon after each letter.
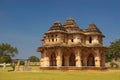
x: 93, y: 28
x: 56, y: 27
x: 71, y: 26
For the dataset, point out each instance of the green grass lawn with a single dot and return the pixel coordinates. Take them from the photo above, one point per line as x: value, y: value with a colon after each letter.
x: 83, y: 75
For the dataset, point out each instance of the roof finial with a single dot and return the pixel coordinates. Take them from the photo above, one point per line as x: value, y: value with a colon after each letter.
x: 70, y: 18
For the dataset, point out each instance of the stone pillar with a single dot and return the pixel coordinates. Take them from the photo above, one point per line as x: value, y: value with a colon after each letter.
x: 59, y: 58
x: 66, y: 60
x: 97, y: 58
x: 41, y: 62
x: 97, y: 61
x: 78, y: 59
x: 102, y: 60
x: 45, y: 62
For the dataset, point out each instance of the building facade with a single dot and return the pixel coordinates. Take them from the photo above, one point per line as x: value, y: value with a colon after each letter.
x: 69, y: 45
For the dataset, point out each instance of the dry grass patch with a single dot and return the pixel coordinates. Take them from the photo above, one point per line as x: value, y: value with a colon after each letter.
x: 81, y: 75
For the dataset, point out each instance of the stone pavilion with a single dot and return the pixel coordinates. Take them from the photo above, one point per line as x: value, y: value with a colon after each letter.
x: 68, y: 45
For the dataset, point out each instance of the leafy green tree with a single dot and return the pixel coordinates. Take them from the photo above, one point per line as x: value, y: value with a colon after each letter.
x: 22, y: 62
x: 113, y: 51
x: 6, y: 59
x: 6, y: 52
x: 33, y: 59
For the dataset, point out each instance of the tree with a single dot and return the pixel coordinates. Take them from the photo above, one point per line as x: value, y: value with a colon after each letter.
x: 22, y: 62
x: 113, y: 52
x: 6, y: 52
x: 6, y: 59
x: 33, y: 59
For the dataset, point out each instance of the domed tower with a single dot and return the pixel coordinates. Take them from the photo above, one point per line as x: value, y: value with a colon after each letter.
x: 93, y: 35
x: 55, y: 34
x: 74, y: 32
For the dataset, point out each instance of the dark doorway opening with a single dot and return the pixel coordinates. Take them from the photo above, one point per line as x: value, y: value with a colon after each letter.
x: 63, y: 62
x: 72, y: 60
x: 53, y: 60
x: 90, y: 60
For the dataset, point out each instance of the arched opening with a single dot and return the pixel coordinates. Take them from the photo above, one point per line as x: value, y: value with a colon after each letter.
x: 90, y: 39
x: 49, y: 40
x: 52, y: 40
x: 63, y: 62
x: 72, y: 60
x: 90, y: 60
x: 52, y: 36
x: 53, y: 60
x: 72, y: 40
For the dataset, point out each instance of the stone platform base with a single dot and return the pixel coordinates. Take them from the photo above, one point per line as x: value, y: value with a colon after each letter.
x: 70, y: 68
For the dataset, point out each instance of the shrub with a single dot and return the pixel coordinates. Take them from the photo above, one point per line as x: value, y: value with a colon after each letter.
x: 113, y: 64
x: 22, y: 62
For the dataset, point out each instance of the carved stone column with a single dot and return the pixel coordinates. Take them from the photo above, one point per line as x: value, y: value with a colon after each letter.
x: 45, y: 60
x: 59, y: 58
x: 41, y: 62
x: 102, y: 59
x: 97, y: 58
x: 47, y: 63
x: 97, y: 61
x: 78, y: 58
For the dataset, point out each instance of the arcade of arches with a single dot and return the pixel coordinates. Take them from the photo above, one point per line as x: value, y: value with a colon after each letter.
x: 73, y: 57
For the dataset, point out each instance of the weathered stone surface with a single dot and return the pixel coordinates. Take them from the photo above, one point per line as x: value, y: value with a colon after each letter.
x: 68, y: 45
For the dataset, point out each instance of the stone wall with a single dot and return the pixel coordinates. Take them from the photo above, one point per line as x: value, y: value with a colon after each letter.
x: 34, y: 63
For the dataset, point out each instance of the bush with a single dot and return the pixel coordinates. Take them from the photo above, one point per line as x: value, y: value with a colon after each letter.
x: 114, y: 65
x: 22, y: 62
x: 13, y: 67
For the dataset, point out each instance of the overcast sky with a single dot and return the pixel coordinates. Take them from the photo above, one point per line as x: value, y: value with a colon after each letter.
x: 24, y: 22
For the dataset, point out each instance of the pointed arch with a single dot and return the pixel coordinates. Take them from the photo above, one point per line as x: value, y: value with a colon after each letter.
x: 90, y: 60
x: 72, y: 60
x: 53, y: 59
